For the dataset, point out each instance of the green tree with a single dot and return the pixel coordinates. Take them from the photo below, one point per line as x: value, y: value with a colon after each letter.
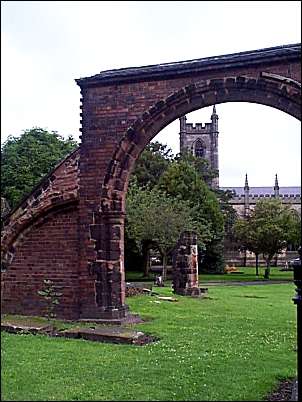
x: 151, y: 164
x: 270, y: 227
x: 229, y: 213
x: 230, y: 216
x: 29, y: 157
x: 201, y: 165
x: 183, y: 181
x: 155, y: 219
x: 246, y: 233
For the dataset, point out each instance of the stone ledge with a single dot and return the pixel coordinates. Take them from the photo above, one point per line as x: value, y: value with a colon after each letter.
x: 29, y: 329
x: 192, y: 292
x: 111, y: 334
x: 129, y: 319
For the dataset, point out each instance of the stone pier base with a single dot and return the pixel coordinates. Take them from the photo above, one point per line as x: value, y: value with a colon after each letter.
x: 185, y: 266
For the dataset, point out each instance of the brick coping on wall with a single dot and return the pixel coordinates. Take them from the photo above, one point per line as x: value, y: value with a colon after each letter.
x: 180, y: 68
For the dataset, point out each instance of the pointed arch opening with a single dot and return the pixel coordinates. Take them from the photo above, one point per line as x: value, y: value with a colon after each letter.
x: 199, y: 148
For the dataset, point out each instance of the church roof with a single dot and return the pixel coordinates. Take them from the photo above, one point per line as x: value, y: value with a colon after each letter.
x: 289, y: 191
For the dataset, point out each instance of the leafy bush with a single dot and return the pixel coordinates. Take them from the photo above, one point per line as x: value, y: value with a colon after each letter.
x: 51, y: 297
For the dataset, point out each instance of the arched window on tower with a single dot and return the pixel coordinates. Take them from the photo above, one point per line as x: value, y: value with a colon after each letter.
x: 199, y: 149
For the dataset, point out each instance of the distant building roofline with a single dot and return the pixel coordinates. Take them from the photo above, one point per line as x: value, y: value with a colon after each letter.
x: 290, y: 190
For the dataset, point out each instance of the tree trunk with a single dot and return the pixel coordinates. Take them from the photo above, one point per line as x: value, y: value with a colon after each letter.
x: 146, y: 258
x: 267, y: 269
x: 257, y: 264
x: 244, y: 259
x: 164, y: 272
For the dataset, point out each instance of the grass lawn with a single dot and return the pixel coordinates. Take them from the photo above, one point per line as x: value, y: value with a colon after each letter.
x: 249, y: 274
x: 233, y: 345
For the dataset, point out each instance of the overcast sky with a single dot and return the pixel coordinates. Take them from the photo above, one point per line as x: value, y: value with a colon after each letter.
x: 46, y: 45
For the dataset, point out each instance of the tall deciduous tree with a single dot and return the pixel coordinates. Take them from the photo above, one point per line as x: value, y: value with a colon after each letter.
x: 201, y: 165
x: 29, y: 157
x: 152, y: 163
x: 229, y: 213
x: 182, y: 181
x: 270, y: 228
x: 154, y: 218
x: 246, y: 233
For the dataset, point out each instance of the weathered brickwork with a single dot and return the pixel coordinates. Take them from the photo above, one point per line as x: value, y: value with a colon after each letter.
x: 122, y: 110
x: 56, y: 189
x: 48, y: 250
x: 40, y: 241
x: 185, y: 266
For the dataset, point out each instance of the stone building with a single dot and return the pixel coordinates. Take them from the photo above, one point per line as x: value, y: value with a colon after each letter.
x: 202, y: 140
x: 245, y: 198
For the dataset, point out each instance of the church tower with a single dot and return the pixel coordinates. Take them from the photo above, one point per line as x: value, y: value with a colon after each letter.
x: 202, y: 140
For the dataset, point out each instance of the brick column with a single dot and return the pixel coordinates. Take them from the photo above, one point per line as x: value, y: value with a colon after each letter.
x: 110, y: 283
x: 185, y: 265
x: 107, y: 233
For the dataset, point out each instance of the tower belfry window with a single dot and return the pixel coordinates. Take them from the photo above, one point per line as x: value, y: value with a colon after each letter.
x: 199, y: 150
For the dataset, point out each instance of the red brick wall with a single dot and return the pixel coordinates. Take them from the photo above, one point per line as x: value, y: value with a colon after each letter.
x: 48, y: 250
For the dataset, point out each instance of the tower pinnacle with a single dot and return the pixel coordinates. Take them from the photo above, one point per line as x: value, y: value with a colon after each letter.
x: 214, y: 115
x: 246, y: 197
x: 276, y: 181
x: 246, y: 184
x: 214, y: 118
x: 182, y: 120
x: 182, y: 134
x: 276, y: 187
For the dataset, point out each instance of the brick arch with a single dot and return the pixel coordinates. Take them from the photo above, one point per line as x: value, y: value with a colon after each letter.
x: 85, y: 244
x: 106, y: 262
x: 280, y: 93
x: 57, y: 190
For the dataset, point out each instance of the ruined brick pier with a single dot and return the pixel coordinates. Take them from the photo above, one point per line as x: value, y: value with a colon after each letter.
x: 185, y: 265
